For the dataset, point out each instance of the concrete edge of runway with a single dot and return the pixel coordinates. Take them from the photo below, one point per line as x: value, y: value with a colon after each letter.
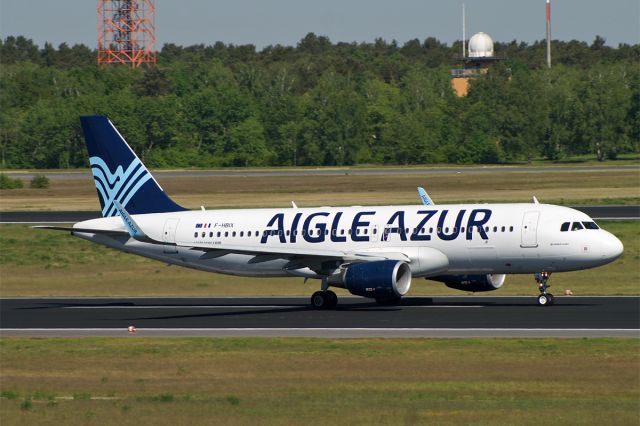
x: 306, y: 297
x: 333, y: 333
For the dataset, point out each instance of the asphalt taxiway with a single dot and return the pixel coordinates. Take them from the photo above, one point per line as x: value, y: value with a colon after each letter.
x: 459, y: 316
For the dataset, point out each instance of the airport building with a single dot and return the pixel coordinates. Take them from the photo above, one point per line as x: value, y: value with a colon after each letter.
x: 474, y: 62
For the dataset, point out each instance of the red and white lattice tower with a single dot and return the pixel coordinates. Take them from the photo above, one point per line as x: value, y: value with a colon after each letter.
x: 126, y: 32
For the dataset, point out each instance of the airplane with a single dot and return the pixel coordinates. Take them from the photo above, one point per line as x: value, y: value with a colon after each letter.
x: 372, y: 251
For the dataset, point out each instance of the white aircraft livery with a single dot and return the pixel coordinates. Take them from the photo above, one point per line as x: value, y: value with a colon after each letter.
x: 372, y: 251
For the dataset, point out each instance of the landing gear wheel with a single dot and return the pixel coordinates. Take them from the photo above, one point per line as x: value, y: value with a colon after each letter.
x: 332, y: 299
x: 319, y: 300
x: 324, y: 300
x: 545, y: 299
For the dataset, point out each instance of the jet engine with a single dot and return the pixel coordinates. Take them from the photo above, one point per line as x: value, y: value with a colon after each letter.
x: 475, y: 283
x: 381, y: 280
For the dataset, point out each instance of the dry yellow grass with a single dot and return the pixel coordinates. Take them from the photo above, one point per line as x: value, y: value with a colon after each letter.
x: 316, y: 381
x: 274, y: 191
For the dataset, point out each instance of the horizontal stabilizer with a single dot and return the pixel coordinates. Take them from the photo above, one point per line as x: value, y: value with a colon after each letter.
x: 83, y: 230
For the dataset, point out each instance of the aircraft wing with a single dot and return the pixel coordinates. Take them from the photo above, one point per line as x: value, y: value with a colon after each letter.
x: 424, y: 197
x: 288, y: 253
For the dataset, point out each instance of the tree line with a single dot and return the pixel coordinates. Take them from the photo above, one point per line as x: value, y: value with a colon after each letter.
x: 321, y: 103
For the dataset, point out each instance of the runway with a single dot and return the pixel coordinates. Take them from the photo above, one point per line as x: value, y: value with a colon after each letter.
x: 338, y: 171
x: 34, y: 218
x: 291, y: 316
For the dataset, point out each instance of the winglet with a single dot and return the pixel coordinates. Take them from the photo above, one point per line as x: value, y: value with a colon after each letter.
x: 426, y: 200
x: 132, y: 227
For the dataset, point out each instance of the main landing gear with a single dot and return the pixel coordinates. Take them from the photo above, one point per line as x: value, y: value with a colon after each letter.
x: 325, y: 298
x: 544, y: 299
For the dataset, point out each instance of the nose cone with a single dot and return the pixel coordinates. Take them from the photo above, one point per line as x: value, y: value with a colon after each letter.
x: 611, y: 247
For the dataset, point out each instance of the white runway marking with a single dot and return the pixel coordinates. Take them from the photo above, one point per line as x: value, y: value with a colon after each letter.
x: 333, y: 333
x: 253, y: 307
x: 139, y: 329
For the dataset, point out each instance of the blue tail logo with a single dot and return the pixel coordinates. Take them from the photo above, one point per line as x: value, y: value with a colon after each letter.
x: 119, y: 175
x: 119, y: 185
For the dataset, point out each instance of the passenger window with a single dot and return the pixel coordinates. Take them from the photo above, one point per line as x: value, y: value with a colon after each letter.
x: 503, y: 229
x: 511, y: 229
x: 226, y: 234
x: 210, y: 234
x: 590, y: 225
x: 195, y: 235
x: 495, y: 229
x: 204, y: 234
x: 431, y: 230
x: 576, y: 226
x: 249, y: 234
x: 242, y: 233
x: 375, y: 231
x: 462, y: 229
x: 564, y: 227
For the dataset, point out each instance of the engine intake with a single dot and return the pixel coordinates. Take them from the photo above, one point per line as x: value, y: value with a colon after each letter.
x: 384, y: 279
x: 475, y: 283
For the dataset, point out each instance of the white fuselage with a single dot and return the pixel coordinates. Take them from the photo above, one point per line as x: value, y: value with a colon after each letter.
x: 479, y: 238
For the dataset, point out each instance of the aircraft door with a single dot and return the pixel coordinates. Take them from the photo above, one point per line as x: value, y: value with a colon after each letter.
x: 169, y: 235
x: 374, y: 233
x: 529, y: 231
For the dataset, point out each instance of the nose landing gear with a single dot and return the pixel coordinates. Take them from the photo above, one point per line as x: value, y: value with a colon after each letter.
x: 544, y: 299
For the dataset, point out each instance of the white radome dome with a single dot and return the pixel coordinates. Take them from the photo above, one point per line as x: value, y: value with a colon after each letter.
x: 480, y: 46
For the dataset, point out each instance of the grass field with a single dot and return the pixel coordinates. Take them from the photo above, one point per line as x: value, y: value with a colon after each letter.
x: 319, y: 381
x: 49, y: 263
x: 609, y: 186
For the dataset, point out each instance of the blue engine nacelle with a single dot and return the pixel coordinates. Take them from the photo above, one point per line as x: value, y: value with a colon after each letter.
x: 475, y: 283
x: 384, y: 279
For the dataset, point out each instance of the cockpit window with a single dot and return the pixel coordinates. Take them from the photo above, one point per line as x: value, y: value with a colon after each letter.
x: 590, y: 225
x: 565, y: 227
x: 576, y: 226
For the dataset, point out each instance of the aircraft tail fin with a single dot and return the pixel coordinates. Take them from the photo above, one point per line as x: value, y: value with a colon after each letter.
x: 118, y: 173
